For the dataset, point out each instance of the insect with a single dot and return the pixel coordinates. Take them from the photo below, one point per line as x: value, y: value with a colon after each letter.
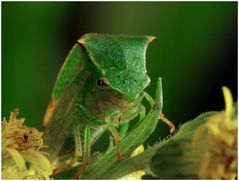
x: 101, y: 83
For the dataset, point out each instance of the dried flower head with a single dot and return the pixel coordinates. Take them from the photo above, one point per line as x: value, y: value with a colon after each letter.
x: 219, y: 158
x: 21, y: 151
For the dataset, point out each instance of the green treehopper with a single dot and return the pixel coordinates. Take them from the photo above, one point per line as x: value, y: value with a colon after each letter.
x: 100, y: 85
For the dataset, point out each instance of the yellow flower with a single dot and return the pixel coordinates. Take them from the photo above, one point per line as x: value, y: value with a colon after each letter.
x: 138, y: 174
x: 217, y: 142
x: 205, y: 148
x: 21, y: 155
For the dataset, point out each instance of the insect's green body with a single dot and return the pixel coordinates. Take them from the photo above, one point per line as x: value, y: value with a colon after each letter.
x: 102, y: 82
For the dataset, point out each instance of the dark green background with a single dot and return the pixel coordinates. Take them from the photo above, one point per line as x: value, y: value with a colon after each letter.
x: 195, y: 51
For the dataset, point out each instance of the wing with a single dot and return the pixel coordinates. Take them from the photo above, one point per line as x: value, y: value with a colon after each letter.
x: 59, y: 120
x: 58, y: 117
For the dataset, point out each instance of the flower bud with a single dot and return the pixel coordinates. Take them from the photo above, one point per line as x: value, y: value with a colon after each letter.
x: 210, y: 152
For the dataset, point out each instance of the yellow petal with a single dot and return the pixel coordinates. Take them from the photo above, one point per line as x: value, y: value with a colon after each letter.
x: 138, y: 174
x: 203, y: 169
x: 137, y: 151
x: 133, y: 176
x: 228, y: 101
x: 12, y: 173
x: 17, y: 157
x: 39, y: 162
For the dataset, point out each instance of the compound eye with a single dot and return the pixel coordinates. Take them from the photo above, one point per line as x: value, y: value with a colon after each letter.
x: 103, y: 82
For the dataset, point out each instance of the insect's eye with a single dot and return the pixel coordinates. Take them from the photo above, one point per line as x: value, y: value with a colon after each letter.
x: 102, y: 82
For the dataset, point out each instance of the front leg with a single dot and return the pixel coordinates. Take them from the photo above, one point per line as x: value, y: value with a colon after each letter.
x: 130, y: 115
x: 164, y: 119
x: 126, y: 117
x: 115, y: 135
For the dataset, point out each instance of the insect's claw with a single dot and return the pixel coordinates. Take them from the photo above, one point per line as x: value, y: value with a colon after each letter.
x: 169, y: 123
x: 118, y: 142
x: 65, y: 166
x: 120, y: 157
x: 77, y: 177
x: 82, y: 168
x: 172, y: 130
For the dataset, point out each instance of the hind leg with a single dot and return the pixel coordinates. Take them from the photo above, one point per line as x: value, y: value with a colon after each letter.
x: 78, y: 151
x: 86, y: 153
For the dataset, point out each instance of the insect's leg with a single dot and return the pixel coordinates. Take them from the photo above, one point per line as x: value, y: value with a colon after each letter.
x: 76, y: 130
x: 164, y: 119
x: 78, y: 150
x: 123, y: 129
x: 149, y: 99
x: 97, y: 134
x: 78, y: 144
x: 142, y: 114
x: 86, y: 154
x: 129, y: 115
x: 87, y: 143
x: 139, y: 110
x: 116, y: 137
x: 169, y: 123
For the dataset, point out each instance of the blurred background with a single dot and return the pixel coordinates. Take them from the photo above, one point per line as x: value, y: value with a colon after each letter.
x: 195, y: 51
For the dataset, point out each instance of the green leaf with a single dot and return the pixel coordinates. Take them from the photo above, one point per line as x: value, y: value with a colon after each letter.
x: 142, y: 161
x: 175, y: 160
x: 107, y: 167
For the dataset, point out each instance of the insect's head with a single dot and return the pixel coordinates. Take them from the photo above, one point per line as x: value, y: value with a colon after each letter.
x: 120, y: 61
